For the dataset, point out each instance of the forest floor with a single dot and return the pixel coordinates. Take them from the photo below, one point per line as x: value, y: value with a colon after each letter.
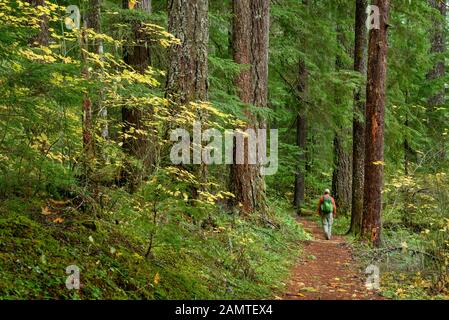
x: 327, y: 270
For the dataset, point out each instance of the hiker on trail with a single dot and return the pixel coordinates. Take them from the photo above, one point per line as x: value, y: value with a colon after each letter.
x: 328, y: 211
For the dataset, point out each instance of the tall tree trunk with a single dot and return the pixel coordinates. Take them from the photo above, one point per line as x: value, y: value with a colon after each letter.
x: 187, y: 78
x: 406, y: 150
x: 93, y: 18
x: 374, y: 132
x: 138, y: 142
x: 243, y: 175
x: 260, y: 28
x: 438, y: 47
x: 250, y: 47
x: 42, y: 36
x: 409, y: 153
x: 358, y: 123
x: 341, y: 177
x: 301, y: 131
x: 91, y: 21
x: 301, y: 138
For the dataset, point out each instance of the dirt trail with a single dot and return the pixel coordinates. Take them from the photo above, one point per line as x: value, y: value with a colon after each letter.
x: 327, y: 270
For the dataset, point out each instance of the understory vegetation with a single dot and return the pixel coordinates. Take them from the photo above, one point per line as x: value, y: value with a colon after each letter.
x: 414, y: 257
x: 233, y: 258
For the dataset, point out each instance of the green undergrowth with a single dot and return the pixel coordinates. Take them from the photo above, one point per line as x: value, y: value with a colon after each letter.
x: 407, y: 270
x: 234, y: 258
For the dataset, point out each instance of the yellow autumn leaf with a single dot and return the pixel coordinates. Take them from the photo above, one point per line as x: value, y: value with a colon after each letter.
x: 46, y: 211
x: 58, y: 202
x: 400, y: 292
x: 58, y: 220
x: 157, y: 278
x: 137, y: 256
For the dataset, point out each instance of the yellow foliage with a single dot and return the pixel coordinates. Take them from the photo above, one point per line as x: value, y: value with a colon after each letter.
x: 46, y: 211
x: 157, y: 278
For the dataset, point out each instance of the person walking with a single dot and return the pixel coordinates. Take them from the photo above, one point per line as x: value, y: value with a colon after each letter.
x: 327, y: 211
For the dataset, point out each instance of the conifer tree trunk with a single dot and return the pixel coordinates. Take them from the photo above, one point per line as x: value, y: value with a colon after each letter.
x: 407, y: 150
x: 42, y: 37
x: 243, y: 175
x: 187, y: 78
x: 301, y: 139
x: 374, y: 131
x: 358, y: 123
x: 93, y: 18
x: 91, y: 21
x: 88, y: 134
x: 301, y: 135
x: 301, y: 130
x: 250, y: 34
x: 139, y: 143
x: 438, y: 47
x: 341, y: 177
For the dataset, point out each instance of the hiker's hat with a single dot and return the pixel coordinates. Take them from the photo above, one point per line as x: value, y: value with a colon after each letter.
x: 327, y: 191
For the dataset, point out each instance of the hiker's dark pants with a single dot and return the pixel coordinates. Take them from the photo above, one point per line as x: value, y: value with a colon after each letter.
x: 327, y: 219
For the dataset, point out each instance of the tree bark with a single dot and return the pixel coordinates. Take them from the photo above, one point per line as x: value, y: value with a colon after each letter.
x: 438, y: 47
x: 187, y: 79
x: 406, y: 150
x: 42, y: 36
x: 139, y: 144
x: 92, y: 21
x: 358, y: 123
x: 250, y: 34
x: 242, y: 175
x: 259, y: 46
x: 341, y: 177
x: 93, y: 18
x: 301, y: 138
x: 374, y: 131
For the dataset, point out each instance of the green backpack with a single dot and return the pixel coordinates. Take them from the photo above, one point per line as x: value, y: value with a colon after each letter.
x: 326, y: 205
